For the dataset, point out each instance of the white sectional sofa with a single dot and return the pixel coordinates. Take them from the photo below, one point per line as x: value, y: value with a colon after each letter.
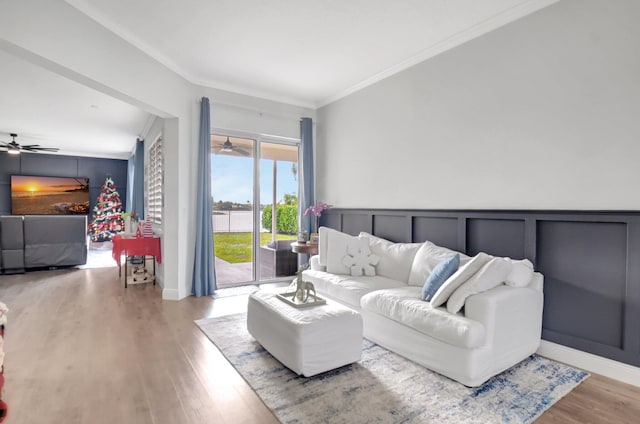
x: 485, y: 318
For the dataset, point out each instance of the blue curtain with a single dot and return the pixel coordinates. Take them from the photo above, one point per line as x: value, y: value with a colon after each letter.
x: 137, y: 193
x: 130, y: 172
x: 306, y: 175
x: 204, y: 276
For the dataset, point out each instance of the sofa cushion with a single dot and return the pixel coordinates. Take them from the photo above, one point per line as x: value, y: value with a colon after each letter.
x: 322, y: 280
x: 427, y: 258
x: 456, y: 280
x: 440, y: 274
x: 395, y: 258
x: 323, y: 233
x: 12, y: 236
x: 404, y: 306
x: 521, y: 273
x: 491, y: 275
x: 337, y: 244
x: 347, y: 289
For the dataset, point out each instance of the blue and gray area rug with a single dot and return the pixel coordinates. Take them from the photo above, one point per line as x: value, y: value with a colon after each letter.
x: 386, y: 388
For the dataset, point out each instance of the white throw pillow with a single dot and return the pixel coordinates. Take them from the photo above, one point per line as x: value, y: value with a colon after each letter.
x: 456, y: 280
x: 337, y: 244
x: 395, y: 258
x: 521, y: 273
x: 323, y: 233
x: 491, y: 275
x: 359, y: 259
x: 427, y: 258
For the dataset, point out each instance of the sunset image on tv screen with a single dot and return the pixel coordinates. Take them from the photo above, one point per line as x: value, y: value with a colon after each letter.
x: 32, y: 195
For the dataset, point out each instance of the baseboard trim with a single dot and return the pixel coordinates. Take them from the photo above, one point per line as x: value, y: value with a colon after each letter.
x: 170, y: 294
x: 589, y: 362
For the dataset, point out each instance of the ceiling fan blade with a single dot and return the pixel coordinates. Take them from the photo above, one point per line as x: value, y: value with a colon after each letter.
x: 241, y: 151
x: 40, y: 149
x: 14, y: 147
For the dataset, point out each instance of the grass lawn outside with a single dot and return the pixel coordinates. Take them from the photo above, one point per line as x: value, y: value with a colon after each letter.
x: 237, y: 247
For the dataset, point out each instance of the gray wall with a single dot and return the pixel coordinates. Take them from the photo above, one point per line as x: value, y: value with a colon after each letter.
x: 539, y: 114
x: 96, y: 169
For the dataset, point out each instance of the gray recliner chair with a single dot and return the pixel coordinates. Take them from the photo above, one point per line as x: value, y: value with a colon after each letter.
x: 11, y: 244
x: 55, y: 240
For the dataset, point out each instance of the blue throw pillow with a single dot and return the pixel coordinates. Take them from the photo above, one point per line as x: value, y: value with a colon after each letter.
x: 440, y: 274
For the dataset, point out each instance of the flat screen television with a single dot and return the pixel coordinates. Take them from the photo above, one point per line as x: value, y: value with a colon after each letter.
x: 31, y: 195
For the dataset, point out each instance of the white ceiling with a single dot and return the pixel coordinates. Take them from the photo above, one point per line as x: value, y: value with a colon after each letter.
x: 306, y: 52
x: 47, y: 109
x: 303, y: 52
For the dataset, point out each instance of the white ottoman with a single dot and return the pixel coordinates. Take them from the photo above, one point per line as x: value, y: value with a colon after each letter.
x: 309, y: 340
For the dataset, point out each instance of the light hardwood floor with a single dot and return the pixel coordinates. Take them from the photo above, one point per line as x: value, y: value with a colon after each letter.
x: 82, y: 349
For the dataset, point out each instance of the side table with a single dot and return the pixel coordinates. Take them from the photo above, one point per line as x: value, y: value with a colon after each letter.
x: 132, y: 246
x: 304, y: 249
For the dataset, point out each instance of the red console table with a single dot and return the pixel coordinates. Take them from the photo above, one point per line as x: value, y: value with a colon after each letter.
x: 133, y: 246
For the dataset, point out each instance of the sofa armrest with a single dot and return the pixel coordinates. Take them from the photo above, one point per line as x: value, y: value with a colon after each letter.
x: 314, y: 264
x: 512, y: 317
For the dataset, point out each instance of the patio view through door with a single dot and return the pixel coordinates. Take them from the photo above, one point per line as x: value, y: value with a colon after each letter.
x: 248, y: 247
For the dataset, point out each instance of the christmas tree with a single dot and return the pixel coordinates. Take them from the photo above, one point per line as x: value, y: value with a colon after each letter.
x: 107, y: 213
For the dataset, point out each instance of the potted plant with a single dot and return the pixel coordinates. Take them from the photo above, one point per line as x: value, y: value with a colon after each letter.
x: 317, y: 210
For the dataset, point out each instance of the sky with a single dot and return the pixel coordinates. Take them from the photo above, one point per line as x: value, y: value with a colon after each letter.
x: 232, y: 179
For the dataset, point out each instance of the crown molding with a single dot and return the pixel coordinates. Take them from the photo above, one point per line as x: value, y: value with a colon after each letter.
x: 100, y: 18
x: 489, y: 24
x: 151, y: 119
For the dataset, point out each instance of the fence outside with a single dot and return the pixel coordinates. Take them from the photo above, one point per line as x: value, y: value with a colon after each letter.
x: 233, y: 221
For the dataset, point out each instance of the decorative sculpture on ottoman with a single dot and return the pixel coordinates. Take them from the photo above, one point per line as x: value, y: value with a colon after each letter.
x: 304, y: 288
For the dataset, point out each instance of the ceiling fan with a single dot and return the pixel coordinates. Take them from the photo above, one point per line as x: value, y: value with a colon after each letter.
x: 13, y: 148
x: 228, y: 147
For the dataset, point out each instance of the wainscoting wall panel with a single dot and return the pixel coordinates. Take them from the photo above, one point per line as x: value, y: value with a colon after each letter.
x: 499, y: 237
x: 354, y: 224
x: 395, y: 226
x: 335, y: 221
x: 590, y: 261
x: 584, y: 262
x: 441, y: 231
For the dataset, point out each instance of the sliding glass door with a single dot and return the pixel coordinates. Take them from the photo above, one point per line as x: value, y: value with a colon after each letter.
x: 279, y: 209
x: 253, y: 180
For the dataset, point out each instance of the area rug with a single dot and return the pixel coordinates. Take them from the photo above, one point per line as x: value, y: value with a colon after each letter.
x: 386, y: 388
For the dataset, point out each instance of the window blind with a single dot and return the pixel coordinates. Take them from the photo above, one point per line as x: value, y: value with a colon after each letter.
x: 154, y: 183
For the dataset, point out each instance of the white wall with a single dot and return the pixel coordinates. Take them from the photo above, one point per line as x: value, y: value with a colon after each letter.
x: 57, y: 37
x: 237, y: 112
x: 539, y: 114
